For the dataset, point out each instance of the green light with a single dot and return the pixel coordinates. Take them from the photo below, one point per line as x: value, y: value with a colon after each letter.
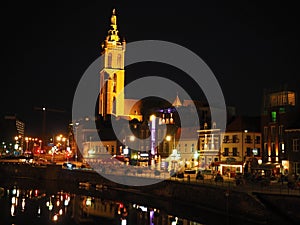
x: 273, y: 115
x: 281, y: 109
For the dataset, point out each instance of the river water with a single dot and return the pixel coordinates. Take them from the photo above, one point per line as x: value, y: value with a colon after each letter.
x: 28, y: 201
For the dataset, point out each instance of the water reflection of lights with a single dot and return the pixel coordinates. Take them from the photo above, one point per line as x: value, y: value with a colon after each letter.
x: 88, y: 201
x: 12, y: 210
x: 23, y: 204
x: 13, y: 200
x: 175, y: 222
x: 22, y: 200
x: 81, y: 207
x: 39, y: 211
x: 55, y: 217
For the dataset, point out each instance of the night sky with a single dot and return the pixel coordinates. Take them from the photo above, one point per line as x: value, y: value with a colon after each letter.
x: 46, y: 47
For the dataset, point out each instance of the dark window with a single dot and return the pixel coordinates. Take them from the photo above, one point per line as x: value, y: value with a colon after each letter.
x: 249, y: 152
x: 273, y: 131
x: 226, y: 151
x: 257, y: 140
x: 112, y: 150
x: 226, y: 139
x: 248, y: 139
x: 235, y: 139
x: 115, y: 83
x: 109, y: 60
x: 119, y: 60
x: 265, y: 133
x: 258, y: 151
x: 296, y: 146
x: 234, y: 152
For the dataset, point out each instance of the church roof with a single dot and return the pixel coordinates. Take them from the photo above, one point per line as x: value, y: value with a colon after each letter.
x: 177, y: 102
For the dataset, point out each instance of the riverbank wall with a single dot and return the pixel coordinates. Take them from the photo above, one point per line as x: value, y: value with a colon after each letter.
x: 221, y: 199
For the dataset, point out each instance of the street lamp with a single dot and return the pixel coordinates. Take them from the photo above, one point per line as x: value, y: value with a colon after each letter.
x: 131, y: 138
x: 125, y: 151
x: 76, y: 140
x: 168, y: 139
x: 40, y: 141
x: 27, y: 140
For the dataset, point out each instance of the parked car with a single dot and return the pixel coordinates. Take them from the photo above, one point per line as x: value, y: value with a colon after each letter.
x: 199, y: 176
x: 239, y: 179
x: 41, y: 161
x: 180, y: 175
x: 68, y: 165
x: 219, y: 178
x: 294, y: 184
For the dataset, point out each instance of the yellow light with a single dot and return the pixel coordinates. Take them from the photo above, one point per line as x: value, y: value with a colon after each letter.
x: 88, y: 201
x: 55, y: 217
x: 131, y: 138
x: 152, y: 117
x: 12, y: 210
x: 168, y: 138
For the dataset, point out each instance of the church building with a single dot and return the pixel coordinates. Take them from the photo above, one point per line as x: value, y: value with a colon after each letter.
x: 112, y: 100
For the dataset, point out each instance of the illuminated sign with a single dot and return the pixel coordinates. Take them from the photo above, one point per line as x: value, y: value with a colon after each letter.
x: 255, y: 151
x: 126, y: 151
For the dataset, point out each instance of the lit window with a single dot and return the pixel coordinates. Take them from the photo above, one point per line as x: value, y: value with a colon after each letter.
x: 273, y: 115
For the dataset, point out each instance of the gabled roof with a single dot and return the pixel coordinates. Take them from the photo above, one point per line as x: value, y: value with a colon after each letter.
x: 241, y: 123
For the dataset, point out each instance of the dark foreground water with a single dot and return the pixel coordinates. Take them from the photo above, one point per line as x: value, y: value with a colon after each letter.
x: 25, y: 201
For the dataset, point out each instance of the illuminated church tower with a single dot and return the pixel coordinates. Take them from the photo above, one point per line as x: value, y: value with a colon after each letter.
x: 112, y: 74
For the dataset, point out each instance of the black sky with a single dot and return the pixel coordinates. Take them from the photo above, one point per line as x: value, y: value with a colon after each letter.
x: 47, y: 46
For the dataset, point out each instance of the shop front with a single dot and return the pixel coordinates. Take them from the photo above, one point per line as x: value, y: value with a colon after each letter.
x: 231, y: 169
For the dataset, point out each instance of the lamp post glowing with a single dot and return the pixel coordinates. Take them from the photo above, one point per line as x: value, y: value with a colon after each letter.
x: 153, y: 138
x: 76, y: 140
x: 27, y: 140
x: 168, y: 139
x: 40, y: 141
x: 131, y: 138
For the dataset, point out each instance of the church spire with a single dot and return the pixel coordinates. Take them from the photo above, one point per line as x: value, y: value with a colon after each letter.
x: 113, y: 20
x: 177, y: 102
x: 113, y: 32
